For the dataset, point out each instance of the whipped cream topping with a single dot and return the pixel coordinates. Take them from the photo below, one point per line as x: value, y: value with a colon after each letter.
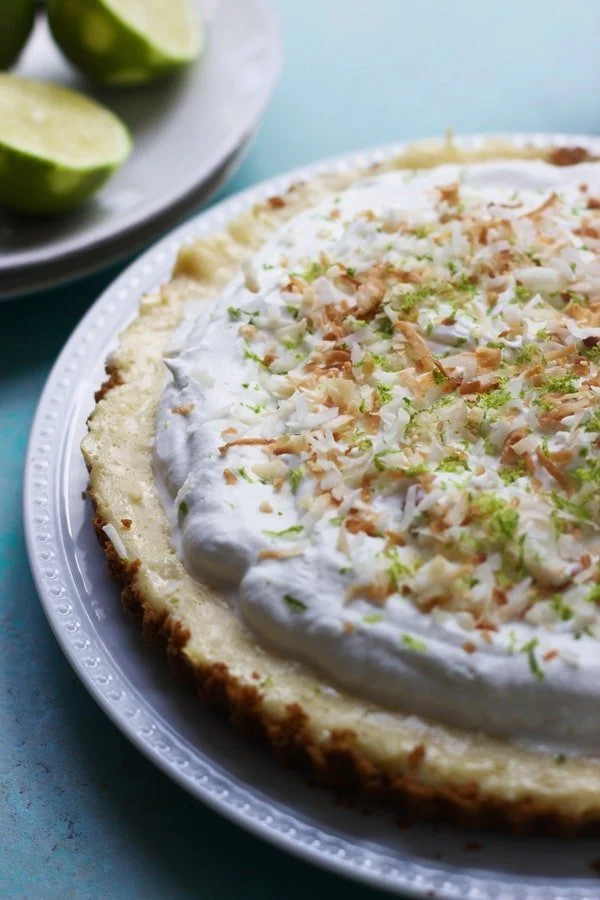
x: 383, y: 436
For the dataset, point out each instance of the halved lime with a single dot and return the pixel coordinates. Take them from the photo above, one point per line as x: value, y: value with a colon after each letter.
x: 57, y: 147
x: 16, y: 21
x: 126, y: 42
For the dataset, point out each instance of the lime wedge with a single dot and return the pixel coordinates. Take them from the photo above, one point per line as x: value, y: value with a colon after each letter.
x: 126, y: 42
x: 17, y: 21
x: 57, y: 147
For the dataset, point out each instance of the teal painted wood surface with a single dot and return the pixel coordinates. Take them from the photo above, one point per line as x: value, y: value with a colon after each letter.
x: 82, y: 814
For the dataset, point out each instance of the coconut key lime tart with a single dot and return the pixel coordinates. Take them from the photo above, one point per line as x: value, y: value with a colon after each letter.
x: 346, y: 468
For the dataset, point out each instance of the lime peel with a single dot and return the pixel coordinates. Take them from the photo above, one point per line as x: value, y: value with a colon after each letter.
x: 57, y: 147
x: 17, y: 17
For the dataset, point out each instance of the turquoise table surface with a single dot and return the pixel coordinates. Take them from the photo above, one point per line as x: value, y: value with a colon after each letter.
x: 82, y: 813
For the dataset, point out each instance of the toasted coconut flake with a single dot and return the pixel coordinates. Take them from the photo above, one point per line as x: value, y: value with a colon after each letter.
x: 559, y: 475
x: 543, y: 207
x: 357, y: 522
x: 417, y: 347
x: 184, y: 410
x: 450, y: 193
x: 488, y: 357
x: 290, y: 443
x: 274, y: 470
x: 376, y: 592
x: 287, y: 553
x: 246, y: 442
x: 479, y: 386
x: 562, y: 353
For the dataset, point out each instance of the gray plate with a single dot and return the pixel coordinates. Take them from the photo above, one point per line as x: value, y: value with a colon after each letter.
x: 187, y: 133
x: 163, y: 719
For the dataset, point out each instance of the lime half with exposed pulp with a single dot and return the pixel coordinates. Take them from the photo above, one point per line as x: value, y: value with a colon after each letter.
x: 57, y: 147
x: 126, y: 42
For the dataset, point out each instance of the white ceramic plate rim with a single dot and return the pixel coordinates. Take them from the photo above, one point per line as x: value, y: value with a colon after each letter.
x: 244, y: 127
x: 195, y: 773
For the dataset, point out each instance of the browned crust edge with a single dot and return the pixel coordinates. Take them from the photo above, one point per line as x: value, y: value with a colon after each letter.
x: 336, y: 762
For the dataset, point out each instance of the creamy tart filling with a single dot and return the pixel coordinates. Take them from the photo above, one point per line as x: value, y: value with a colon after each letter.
x: 383, y: 438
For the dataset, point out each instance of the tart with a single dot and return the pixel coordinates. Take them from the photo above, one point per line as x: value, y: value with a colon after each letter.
x: 345, y: 467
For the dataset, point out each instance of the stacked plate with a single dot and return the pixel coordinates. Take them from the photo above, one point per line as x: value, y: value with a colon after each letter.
x: 189, y: 134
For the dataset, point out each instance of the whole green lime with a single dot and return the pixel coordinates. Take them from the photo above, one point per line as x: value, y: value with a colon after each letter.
x: 16, y: 21
x: 126, y: 42
x: 57, y: 147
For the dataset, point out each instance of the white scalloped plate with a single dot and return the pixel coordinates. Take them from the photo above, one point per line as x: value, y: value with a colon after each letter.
x: 185, y: 129
x: 170, y: 725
